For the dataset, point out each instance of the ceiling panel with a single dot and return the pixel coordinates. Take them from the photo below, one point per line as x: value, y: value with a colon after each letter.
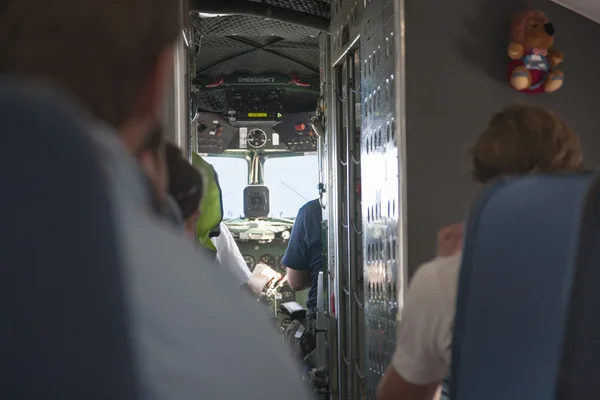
x: 587, y: 8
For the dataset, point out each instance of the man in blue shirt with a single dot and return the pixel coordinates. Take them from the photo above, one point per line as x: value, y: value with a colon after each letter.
x: 304, y: 255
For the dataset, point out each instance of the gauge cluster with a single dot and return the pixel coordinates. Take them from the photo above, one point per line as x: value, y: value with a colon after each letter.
x: 291, y: 132
x: 254, y: 105
x: 250, y: 262
x: 272, y: 261
x: 271, y: 253
x: 257, y: 138
x: 269, y: 260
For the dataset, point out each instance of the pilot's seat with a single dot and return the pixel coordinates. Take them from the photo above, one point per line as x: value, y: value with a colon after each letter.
x: 64, y: 329
x: 527, y: 322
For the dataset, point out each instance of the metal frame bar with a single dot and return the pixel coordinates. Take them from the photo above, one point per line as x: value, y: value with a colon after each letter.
x: 351, y: 239
x: 348, y: 48
x: 331, y: 211
x: 400, y: 115
x: 207, y: 84
x: 262, y: 10
x: 176, y: 105
x: 340, y: 299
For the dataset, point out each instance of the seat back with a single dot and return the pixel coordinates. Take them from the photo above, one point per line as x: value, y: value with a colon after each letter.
x: 580, y: 369
x: 64, y: 330
x: 522, y: 247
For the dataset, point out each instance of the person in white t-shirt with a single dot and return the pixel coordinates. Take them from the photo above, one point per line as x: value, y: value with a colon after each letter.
x: 519, y: 140
x: 185, y: 185
x: 228, y: 254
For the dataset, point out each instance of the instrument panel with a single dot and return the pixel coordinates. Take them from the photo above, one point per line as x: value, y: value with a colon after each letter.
x: 257, y: 138
x: 215, y: 134
x: 250, y: 262
x: 254, y: 104
x: 269, y: 260
x: 271, y: 254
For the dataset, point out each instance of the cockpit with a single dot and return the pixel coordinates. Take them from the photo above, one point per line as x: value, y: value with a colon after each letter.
x: 257, y: 131
x: 256, y: 98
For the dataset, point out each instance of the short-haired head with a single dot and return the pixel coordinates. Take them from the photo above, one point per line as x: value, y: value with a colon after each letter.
x: 112, y: 55
x: 153, y: 142
x: 522, y: 139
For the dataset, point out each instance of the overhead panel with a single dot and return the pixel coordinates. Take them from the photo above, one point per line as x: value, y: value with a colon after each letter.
x: 254, y: 45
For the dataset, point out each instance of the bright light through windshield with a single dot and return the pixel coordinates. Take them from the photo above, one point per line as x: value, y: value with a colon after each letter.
x: 233, y: 178
x: 292, y: 182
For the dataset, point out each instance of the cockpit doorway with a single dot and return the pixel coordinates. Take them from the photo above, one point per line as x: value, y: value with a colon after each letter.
x: 292, y: 181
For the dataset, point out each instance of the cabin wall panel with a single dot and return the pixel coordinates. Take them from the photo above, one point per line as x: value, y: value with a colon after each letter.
x: 380, y: 191
x: 456, y: 79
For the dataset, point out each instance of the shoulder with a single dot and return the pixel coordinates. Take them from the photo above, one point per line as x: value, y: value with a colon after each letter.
x: 174, y: 276
x: 310, y: 211
x: 438, y: 275
x: 424, y: 335
x: 225, y: 243
x: 431, y: 295
x: 229, y: 256
x: 312, y: 206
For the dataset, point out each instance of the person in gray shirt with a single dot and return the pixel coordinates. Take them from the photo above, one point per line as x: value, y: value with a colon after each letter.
x: 195, y: 336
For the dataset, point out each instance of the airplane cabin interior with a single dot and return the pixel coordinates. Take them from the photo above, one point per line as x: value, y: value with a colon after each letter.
x: 348, y: 125
x: 293, y: 101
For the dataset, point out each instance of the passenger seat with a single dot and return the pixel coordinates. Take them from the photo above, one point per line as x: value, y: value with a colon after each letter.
x: 64, y: 330
x: 526, y: 322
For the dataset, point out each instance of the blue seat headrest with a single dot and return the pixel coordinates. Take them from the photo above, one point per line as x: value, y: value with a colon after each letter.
x: 526, y: 243
x: 64, y: 329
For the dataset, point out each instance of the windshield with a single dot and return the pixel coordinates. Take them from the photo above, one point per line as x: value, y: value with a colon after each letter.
x: 292, y: 182
x: 233, y: 178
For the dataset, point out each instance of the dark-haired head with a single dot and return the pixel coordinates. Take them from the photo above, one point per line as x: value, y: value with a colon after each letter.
x: 153, y: 161
x: 185, y: 186
x: 153, y: 142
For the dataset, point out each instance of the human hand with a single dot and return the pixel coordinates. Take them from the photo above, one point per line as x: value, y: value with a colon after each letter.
x: 450, y: 240
x: 262, y: 276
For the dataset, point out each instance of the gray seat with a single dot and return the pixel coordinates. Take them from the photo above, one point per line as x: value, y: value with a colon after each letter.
x: 526, y: 322
x: 64, y: 329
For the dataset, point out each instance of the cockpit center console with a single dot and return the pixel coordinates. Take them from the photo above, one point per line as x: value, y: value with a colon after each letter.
x: 292, y: 132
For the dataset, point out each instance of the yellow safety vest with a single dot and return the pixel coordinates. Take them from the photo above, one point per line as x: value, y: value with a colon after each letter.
x: 211, y: 205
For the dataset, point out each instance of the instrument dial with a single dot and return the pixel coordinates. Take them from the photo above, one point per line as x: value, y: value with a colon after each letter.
x: 250, y: 262
x: 269, y: 260
x: 257, y: 138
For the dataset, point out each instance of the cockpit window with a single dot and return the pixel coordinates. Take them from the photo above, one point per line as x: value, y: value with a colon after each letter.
x: 233, y: 178
x: 292, y: 182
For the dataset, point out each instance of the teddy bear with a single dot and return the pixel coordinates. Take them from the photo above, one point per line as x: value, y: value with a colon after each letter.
x: 532, y: 68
